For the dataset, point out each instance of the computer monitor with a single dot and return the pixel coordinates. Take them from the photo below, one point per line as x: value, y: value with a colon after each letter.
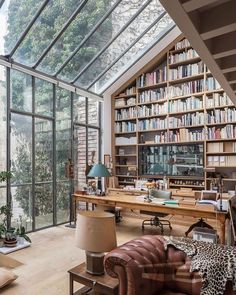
x: 209, y: 195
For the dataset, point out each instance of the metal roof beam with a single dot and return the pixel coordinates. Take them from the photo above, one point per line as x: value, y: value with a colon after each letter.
x: 87, y: 37
x: 50, y: 79
x: 66, y: 25
x: 127, y: 49
x: 112, y: 40
x: 29, y: 26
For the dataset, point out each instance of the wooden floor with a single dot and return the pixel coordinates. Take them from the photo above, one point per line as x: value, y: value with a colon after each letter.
x: 44, y: 265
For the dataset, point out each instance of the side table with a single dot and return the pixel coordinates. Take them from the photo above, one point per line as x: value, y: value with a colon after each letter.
x: 98, y: 285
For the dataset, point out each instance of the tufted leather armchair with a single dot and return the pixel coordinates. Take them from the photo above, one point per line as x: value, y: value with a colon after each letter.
x: 143, y: 267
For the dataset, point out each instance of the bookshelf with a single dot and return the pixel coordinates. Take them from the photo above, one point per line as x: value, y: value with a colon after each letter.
x: 175, y: 105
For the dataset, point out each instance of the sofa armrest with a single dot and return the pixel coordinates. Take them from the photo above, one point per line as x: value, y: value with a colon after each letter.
x: 134, y: 264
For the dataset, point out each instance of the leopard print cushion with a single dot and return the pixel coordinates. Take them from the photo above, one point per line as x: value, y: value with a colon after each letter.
x: 216, y: 264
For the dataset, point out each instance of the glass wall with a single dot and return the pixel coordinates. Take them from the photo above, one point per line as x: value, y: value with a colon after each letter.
x: 37, y: 120
x: 3, y: 108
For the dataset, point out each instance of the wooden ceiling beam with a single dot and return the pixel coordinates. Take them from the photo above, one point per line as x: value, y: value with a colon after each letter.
x: 218, y: 20
x: 196, y: 4
x: 231, y: 77
x: 223, y: 45
x: 227, y: 64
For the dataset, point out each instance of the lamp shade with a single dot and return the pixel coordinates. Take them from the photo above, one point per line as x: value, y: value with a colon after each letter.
x: 95, y: 231
x: 99, y: 170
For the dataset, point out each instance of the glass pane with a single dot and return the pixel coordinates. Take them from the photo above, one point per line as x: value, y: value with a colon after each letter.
x: 93, y: 146
x: 22, y: 205
x: 43, y: 98
x: 85, y: 21
x: 21, y: 91
x: 43, y: 205
x: 44, y: 30
x: 111, y: 26
x: 14, y: 18
x: 131, y: 56
x: 63, y: 201
x: 93, y: 112
x: 43, y: 150
x: 3, y: 196
x: 21, y: 149
x: 130, y: 34
x: 80, y: 166
x: 79, y: 109
x: 3, y: 109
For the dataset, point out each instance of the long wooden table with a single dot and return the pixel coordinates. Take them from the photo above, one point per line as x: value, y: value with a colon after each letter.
x: 132, y: 202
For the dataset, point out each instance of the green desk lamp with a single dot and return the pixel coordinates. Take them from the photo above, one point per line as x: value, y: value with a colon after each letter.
x: 99, y: 170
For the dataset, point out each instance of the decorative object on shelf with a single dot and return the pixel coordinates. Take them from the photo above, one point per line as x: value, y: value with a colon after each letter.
x: 99, y: 170
x: 96, y: 234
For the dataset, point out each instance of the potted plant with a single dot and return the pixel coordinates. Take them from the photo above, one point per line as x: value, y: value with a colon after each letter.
x: 21, y: 233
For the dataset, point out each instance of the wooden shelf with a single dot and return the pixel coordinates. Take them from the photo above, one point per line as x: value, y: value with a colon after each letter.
x: 193, y: 126
x: 127, y: 132
x: 221, y: 139
x: 162, y: 100
x: 126, y: 176
x: 186, y: 185
x: 223, y: 123
x: 125, y: 106
x: 196, y: 94
x: 153, y: 116
x: 179, y: 142
x: 187, y: 111
x: 126, y: 166
x: 180, y: 50
x: 129, y: 119
x: 220, y: 153
x: 214, y: 91
x: 185, y: 62
x: 220, y: 107
x: 152, y: 130
x: 153, y: 86
x: 125, y: 96
x: 127, y: 155
x: 186, y: 79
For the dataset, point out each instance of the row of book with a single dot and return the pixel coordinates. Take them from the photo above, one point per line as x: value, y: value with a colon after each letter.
x: 121, y: 102
x: 221, y: 161
x: 182, y: 44
x: 186, y: 70
x: 187, y: 88
x: 189, y: 103
x: 184, y: 134
x: 178, y: 57
x: 190, y: 119
x: 155, y: 123
x: 212, y: 84
x: 125, y: 127
x: 218, y: 99
x: 152, y: 95
x: 122, y: 140
x: 155, y: 77
x: 128, y: 113
x: 221, y: 116
x: 227, y: 132
x: 152, y: 110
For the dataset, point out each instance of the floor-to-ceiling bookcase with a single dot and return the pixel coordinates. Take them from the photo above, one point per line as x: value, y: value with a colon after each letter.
x: 173, y: 121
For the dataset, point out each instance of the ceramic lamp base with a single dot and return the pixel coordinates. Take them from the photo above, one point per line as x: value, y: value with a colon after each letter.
x: 94, y: 263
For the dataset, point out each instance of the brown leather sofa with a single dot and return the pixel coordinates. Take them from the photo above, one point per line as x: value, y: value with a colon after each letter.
x: 144, y: 267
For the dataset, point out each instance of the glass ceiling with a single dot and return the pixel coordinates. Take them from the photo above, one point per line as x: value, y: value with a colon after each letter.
x: 87, y: 43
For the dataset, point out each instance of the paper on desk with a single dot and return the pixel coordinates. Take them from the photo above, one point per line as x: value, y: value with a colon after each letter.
x: 141, y: 197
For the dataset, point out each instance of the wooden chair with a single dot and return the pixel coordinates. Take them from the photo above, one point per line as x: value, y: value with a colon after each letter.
x: 156, y: 221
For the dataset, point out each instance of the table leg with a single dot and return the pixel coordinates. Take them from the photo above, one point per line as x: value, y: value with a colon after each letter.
x: 87, y: 206
x: 71, y: 286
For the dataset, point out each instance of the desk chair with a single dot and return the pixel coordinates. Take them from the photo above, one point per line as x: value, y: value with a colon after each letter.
x: 156, y: 221
x: 207, y: 196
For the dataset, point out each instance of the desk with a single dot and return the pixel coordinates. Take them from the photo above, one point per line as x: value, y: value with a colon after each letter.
x: 103, y: 284
x: 130, y: 202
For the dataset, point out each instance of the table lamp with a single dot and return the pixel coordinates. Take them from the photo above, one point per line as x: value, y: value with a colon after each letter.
x: 99, y: 170
x: 96, y: 234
